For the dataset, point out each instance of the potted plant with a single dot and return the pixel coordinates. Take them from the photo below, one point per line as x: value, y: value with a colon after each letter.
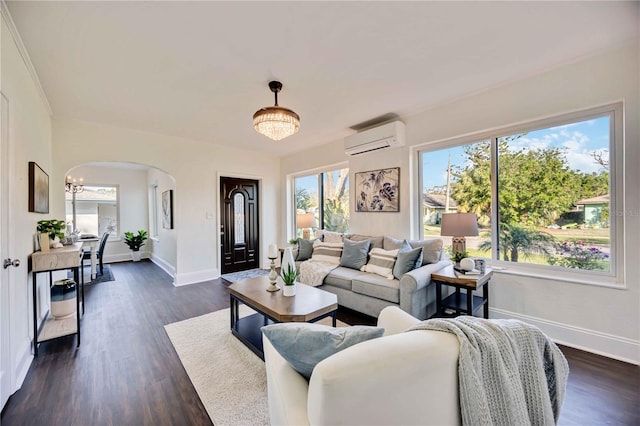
x: 289, y: 276
x: 135, y: 241
x: 458, y: 256
x: 51, y: 231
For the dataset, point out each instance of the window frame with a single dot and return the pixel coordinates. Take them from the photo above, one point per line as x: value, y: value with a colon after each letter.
x: 292, y: 230
x: 613, y: 278
x: 112, y: 236
x: 153, y: 211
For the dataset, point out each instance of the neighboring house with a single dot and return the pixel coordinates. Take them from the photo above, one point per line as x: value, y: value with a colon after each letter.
x: 434, y: 205
x: 595, y: 210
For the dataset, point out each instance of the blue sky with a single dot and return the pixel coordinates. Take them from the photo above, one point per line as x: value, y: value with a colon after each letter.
x: 579, y: 139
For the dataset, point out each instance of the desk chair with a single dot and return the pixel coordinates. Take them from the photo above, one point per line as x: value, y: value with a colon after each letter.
x: 99, y: 252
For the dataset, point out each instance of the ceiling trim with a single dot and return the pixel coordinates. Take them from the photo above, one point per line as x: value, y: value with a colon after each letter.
x: 6, y: 15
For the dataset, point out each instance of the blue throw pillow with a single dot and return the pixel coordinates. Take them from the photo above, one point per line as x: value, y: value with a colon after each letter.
x: 305, y: 249
x: 354, y: 254
x: 303, y: 345
x: 407, y: 261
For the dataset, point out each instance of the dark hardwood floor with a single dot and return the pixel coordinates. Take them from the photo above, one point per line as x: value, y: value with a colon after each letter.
x: 126, y: 371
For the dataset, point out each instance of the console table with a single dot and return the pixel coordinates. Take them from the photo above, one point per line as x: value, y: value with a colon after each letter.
x: 67, y: 257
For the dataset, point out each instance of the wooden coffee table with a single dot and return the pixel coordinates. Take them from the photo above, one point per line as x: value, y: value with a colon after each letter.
x: 310, y: 304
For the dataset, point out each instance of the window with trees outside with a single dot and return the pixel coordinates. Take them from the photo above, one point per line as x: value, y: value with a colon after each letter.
x: 96, y: 209
x: 324, y: 197
x: 549, y: 204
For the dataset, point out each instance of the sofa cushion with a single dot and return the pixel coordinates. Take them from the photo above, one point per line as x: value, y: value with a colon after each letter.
x: 354, y: 254
x: 305, y: 249
x: 342, y: 277
x: 327, y: 252
x: 376, y: 242
x: 431, y: 249
x: 304, y: 345
x: 381, y: 262
x: 329, y: 236
x: 407, y: 261
x: 390, y: 243
x: 376, y: 286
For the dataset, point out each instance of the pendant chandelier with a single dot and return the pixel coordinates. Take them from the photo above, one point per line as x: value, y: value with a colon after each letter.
x: 276, y: 122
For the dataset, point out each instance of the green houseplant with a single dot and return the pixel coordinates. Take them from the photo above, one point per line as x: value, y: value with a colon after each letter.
x: 134, y: 242
x: 289, y: 276
x: 55, y: 228
x: 459, y: 255
x: 49, y: 230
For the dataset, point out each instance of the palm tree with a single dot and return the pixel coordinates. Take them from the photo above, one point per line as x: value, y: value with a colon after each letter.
x: 516, y: 240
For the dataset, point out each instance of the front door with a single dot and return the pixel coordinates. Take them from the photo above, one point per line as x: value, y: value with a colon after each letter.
x: 239, y: 236
x: 6, y: 274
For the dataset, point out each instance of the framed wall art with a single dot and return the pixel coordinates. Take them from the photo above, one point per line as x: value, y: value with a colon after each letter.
x: 167, y: 209
x: 378, y: 190
x: 38, y: 189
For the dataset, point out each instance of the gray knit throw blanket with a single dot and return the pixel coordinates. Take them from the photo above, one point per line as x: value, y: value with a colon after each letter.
x: 509, y: 372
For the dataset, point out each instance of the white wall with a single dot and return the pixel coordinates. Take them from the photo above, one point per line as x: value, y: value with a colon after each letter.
x: 132, y: 192
x: 196, y: 167
x: 29, y: 140
x: 600, y: 319
x: 162, y: 246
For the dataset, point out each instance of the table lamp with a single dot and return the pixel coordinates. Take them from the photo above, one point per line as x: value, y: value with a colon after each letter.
x: 305, y: 222
x: 458, y: 226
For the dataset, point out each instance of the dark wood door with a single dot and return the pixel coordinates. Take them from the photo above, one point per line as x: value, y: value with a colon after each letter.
x: 239, y: 227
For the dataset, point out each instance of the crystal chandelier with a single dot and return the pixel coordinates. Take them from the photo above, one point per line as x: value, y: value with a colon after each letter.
x: 276, y: 122
x: 73, y: 186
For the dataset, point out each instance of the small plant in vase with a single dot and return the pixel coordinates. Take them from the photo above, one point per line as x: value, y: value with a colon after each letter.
x: 49, y: 231
x: 458, y: 256
x: 135, y: 241
x: 289, y: 276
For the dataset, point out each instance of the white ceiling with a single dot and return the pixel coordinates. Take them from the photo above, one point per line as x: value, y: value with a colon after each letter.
x: 200, y: 69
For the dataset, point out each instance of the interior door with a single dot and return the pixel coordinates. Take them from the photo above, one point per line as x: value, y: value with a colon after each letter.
x: 5, y: 272
x: 239, y: 233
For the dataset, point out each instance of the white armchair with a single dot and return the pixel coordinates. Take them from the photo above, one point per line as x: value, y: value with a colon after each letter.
x: 400, y: 378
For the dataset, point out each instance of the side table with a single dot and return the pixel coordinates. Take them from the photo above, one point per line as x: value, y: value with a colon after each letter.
x: 462, y: 303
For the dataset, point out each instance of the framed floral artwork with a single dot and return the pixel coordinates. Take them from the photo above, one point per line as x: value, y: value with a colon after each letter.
x: 378, y: 190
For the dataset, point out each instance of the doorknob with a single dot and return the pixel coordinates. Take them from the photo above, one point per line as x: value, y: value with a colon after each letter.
x: 8, y: 262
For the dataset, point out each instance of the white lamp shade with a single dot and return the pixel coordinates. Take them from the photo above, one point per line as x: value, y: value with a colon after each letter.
x: 459, y: 225
x: 304, y: 220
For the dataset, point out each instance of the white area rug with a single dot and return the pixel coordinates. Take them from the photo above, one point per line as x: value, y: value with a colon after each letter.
x: 230, y: 379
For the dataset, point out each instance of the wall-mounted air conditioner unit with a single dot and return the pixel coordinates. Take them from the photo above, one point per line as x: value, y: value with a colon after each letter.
x: 388, y: 135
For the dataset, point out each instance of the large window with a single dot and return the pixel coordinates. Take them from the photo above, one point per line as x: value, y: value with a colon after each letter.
x: 322, y: 202
x: 543, y: 192
x: 96, y: 210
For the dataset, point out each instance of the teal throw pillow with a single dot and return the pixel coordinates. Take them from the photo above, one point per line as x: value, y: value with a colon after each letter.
x: 303, y: 345
x: 407, y: 261
x: 354, y: 254
x: 305, y: 249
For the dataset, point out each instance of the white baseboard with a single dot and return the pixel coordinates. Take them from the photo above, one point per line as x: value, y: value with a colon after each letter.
x: 23, y: 363
x: 195, y: 277
x: 609, y: 345
x: 122, y: 257
x: 164, y: 265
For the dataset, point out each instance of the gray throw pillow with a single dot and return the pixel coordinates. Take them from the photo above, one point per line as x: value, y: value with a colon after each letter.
x: 303, y: 345
x: 376, y: 242
x: 354, y: 254
x: 305, y: 249
x: 431, y: 249
x: 407, y: 261
x: 390, y: 243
